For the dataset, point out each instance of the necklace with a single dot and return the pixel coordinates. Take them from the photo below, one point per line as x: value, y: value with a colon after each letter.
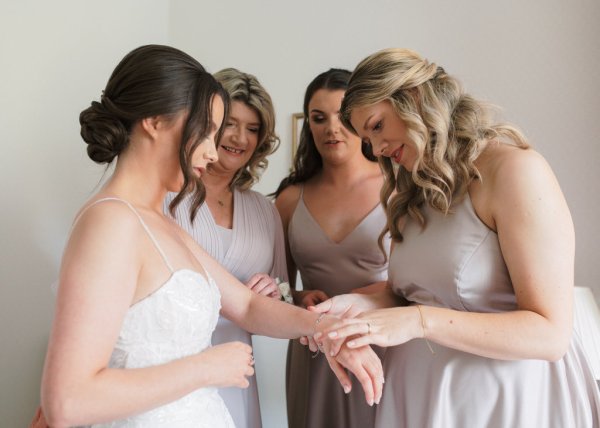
x: 220, y: 202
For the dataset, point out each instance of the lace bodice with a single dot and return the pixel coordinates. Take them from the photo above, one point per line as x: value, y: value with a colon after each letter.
x: 175, y: 321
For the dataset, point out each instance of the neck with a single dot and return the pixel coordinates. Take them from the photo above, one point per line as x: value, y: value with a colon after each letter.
x: 217, y: 182
x: 347, y: 173
x: 134, y: 181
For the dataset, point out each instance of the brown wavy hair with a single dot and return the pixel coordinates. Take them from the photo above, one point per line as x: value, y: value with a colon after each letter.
x: 307, y: 160
x: 448, y: 127
x: 154, y: 80
x: 247, y: 89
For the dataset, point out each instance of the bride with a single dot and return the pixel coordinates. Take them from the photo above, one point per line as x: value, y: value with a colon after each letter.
x: 138, y: 299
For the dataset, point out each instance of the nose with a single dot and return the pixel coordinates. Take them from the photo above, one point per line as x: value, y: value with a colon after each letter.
x: 333, y: 125
x: 240, y: 136
x: 211, y: 153
x: 379, y: 147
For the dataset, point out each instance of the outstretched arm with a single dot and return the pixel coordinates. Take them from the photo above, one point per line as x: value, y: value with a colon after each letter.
x: 98, y: 283
x: 520, y: 198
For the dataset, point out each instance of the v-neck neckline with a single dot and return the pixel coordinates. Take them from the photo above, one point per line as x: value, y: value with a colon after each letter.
x: 347, y: 236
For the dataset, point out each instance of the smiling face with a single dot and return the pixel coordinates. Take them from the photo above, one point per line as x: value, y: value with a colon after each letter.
x: 380, y: 125
x: 239, y: 139
x: 333, y: 141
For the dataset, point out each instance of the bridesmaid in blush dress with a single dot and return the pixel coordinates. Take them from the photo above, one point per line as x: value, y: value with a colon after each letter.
x: 332, y: 218
x: 483, y: 257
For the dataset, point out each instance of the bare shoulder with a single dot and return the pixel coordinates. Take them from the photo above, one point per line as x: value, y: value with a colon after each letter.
x: 287, y: 200
x: 504, y: 165
x: 104, y: 229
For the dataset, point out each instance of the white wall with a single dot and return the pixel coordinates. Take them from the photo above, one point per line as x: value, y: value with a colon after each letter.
x: 55, y: 57
x: 538, y: 60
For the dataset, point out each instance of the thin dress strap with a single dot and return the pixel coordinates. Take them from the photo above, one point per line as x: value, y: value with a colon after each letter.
x: 142, y: 222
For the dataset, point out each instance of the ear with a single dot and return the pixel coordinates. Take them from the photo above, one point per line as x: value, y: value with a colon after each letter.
x: 151, y: 125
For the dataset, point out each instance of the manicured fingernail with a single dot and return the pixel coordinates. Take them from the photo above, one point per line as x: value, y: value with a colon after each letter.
x: 333, y: 334
x: 371, y: 403
x: 351, y: 343
x: 346, y: 389
x: 317, y: 335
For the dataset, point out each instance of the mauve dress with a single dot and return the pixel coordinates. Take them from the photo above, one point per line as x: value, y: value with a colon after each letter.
x: 315, y: 398
x: 255, y: 244
x: 456, y: 262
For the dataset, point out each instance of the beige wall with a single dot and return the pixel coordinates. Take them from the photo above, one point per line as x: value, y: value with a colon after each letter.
x: 538, y: 60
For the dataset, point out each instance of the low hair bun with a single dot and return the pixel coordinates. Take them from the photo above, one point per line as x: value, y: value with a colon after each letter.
x: 104, y: 133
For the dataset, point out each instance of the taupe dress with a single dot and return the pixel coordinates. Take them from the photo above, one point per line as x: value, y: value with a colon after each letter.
x: 255, y: 244
x: 456, y: 263
x: 315, y: 398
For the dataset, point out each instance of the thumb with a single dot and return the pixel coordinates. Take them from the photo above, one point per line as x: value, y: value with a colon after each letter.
x: 322, y: 307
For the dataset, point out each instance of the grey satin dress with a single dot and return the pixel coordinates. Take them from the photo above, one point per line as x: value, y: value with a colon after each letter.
x: 456, y: 263
x: 315, y: 398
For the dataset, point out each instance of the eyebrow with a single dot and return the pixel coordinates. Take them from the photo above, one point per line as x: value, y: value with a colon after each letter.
x: 316, y: 110
x: 367, y: 121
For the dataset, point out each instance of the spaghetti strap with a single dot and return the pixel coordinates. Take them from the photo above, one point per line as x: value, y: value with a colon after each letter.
x: 142, y: 222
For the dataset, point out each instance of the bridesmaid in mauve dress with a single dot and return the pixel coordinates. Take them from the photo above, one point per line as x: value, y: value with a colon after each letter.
x: 239, y: 227
x: 332, y: 217
x: 483, y: 256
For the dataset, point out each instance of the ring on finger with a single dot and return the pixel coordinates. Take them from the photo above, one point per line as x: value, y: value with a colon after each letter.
x: 368, y: 328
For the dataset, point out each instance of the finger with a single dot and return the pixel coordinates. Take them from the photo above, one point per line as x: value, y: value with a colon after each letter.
x: 303, y: 340
x: 335, y: 347
x: 350, y: 327
x: 341, y: 374
x: 276, y: 294
x: 312, y: 343
x: 375, y: 372
x: 367, y: 384
x: 362, y: 341
x: 253, y: 280
x: 322, y: 307
x: 261, y: 284
x: 269, y: 289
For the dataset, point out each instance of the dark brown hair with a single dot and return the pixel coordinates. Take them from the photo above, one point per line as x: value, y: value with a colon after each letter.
x: 154, y: 80
x: 308, y: 161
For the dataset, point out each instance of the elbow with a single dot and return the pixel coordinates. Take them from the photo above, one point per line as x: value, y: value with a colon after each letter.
x: 558, y: 346
x: 59, y: 410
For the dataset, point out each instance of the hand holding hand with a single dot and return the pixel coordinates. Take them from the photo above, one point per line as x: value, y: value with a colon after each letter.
x: 383, y: 327
x: 229, y: 364
x: 345, y: 305
x: 263, y: 284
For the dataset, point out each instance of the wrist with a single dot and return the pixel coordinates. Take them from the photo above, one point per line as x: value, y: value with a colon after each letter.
x: 317, y: 323
x: 421, y: 320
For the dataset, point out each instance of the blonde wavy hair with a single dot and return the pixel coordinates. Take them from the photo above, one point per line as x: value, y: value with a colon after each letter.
x: 246, y: 88
x: 448, y: 127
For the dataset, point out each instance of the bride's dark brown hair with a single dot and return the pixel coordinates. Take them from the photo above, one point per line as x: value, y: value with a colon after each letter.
x: 149, y: 81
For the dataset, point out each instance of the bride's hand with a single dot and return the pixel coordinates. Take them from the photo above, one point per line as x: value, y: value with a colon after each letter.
x: 365, y: 365
x: 228, y: 364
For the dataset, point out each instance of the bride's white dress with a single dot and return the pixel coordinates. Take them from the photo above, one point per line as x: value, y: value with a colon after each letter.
x: 175, y: 321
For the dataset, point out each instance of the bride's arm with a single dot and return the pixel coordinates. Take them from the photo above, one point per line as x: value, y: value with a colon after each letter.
x: 98, y: 279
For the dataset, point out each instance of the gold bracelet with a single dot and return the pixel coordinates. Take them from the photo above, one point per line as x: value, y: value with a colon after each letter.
x: 423, y: 327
